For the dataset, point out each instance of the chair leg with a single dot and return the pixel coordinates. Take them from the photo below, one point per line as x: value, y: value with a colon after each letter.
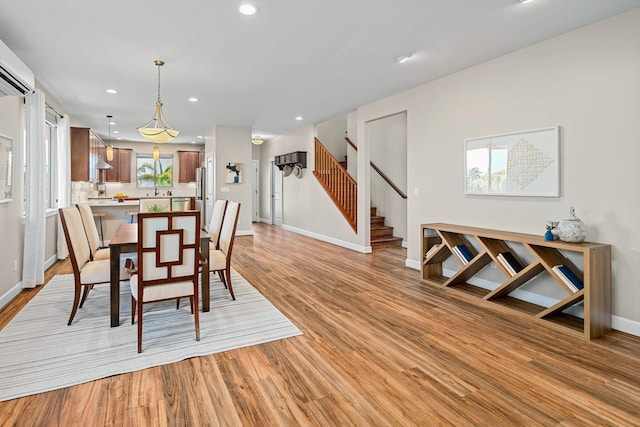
x: 221, y: 275
x: 133, y: 310
x: 177, y: 303
x: 139, y: 326
x: 76, y: 300
x: 85, y: 294
x: 191, y: 304
x: 196, y: 316
x: 228, y: 272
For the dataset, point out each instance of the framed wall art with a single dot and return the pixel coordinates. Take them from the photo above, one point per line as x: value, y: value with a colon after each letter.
x: 6, y: 168
x: 523, y: 163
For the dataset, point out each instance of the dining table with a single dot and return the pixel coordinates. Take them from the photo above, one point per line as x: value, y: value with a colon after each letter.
x: 125, y: 240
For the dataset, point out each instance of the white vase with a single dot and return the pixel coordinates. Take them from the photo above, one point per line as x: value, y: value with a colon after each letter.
x: 572, y: 229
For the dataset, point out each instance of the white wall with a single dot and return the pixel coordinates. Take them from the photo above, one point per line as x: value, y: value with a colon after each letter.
x: 307, y: 208
x: 331, y: 134
x: 233, y: 145
x: 586, y: 81
x: 11, y: 221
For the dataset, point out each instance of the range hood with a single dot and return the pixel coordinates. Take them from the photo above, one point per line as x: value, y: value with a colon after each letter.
x: 101, y: 164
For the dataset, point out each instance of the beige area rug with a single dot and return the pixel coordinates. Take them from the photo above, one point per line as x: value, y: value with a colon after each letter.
x: 39, y: 352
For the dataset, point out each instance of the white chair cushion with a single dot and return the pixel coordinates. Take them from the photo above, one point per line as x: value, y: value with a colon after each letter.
x: 99, y: 272
x: 101, y: 254
x: 217, y: 260
x: 160, y: 292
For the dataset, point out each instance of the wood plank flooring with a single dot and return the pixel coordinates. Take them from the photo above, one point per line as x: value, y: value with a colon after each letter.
x: 379, y: 349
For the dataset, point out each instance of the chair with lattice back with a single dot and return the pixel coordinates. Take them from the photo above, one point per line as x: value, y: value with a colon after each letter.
x: 168, y: 262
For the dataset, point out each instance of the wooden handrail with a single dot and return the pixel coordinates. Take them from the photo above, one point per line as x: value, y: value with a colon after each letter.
x: 377, y: 169
x: 338, y: 184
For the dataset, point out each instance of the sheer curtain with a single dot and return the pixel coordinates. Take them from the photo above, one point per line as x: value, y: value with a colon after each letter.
x: 34, y: 188
x: 63, y: 177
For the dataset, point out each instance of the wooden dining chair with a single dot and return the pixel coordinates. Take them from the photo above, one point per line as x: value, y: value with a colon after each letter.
x: 155, y: 205
x: 169, y: 260
x: 86, y: 272
x: 215, y: 225
x: 220, y: 259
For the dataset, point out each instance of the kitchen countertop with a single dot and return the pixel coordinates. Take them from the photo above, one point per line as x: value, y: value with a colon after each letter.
x: 129, y: 201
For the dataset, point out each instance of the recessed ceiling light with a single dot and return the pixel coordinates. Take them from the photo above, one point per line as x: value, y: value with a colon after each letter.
x: 404, y: 58
x: 119, y: 138
x: 193, y: 142
x: 248, y: 9
x: 193, y: 99
x: 112, y: 123
x: 112, y: 91
x: 116, y: 131
x: 525, y: 1
x: 299, y: 118
x: 200, y: 137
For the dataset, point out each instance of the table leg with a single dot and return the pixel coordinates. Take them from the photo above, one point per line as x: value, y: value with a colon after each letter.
x: 206, y: 297
x: 115, y: 284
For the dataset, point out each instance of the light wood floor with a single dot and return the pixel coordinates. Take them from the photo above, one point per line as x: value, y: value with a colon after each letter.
x: 379, y: 349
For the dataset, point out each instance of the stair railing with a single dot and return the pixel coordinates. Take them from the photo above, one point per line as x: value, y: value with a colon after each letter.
x: 338, y: 184
x: 377, y: 169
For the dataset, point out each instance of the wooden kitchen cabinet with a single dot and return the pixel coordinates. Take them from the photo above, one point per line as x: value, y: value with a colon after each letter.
x: 86, y: 149
x: 121, y: 166
x: 188, y: 161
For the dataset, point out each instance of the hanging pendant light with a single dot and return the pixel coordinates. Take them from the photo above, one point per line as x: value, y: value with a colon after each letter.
x: 109, y: 147
x: 257, y: 140
x: 156, y: 153
x: 157, y: 129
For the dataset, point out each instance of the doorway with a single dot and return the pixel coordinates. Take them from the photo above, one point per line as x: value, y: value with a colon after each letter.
x: 255, y: 186
x: 276, y: 195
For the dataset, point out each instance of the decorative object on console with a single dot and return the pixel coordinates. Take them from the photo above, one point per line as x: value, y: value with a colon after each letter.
x: 571, y: 229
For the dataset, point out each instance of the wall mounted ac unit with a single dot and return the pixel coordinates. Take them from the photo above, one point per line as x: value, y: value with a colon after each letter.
x: 15, y: 77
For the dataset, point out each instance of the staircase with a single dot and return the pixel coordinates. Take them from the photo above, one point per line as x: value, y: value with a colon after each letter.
x: 382, y: 235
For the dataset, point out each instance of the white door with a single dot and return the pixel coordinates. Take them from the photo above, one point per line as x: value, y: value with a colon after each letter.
x: 254, y: 189
x: 276, y: 195
x: 210, y: 189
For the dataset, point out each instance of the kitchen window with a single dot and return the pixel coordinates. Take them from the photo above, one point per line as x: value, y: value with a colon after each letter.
x: 154, y: 174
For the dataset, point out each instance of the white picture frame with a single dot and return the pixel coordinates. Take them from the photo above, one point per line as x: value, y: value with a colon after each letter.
x: 6, y: 169
x: 525, y: 163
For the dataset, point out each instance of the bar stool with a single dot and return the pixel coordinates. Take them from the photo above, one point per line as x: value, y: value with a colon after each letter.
x: 133, y: 214
x: 100, y: 215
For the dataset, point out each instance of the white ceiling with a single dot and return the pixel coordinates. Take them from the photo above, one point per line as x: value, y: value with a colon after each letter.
x: 311, y: 58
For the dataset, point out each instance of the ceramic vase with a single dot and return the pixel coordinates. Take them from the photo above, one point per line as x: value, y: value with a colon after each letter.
x: 572, y: 229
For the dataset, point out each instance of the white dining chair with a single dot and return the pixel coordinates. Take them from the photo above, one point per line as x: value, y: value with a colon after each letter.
x: 220, y: 259
x: 91, y: 231
x: 169, y: 261
x: 215, y: 225
x: 86, y: 272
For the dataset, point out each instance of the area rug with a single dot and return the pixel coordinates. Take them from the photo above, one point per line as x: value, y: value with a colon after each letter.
x: 39, y: 352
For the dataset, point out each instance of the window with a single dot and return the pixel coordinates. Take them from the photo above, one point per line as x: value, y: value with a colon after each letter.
x: 152, y: 174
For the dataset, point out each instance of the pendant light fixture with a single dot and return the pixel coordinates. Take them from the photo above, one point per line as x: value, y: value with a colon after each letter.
x: 257, y: 140
x: 109, y: 147
x: 157, y: 129
x: 156, y: 153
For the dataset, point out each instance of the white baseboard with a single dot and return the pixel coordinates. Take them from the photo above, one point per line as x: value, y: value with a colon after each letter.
x: 405, y: 244
x: 348, y: 245
x: 618, y: 323
x: 48, y: 263
x: 244, y: 232
x: 265, y: 220
x: 625, y: 325
x: 10, y: 294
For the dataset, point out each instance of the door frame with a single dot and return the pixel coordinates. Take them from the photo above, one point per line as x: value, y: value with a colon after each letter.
x: 275, y: 170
